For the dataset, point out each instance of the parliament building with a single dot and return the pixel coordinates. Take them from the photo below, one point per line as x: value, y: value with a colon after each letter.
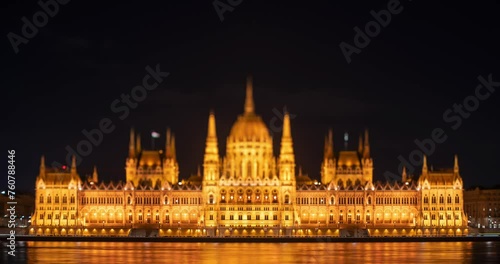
x: 249, y: 192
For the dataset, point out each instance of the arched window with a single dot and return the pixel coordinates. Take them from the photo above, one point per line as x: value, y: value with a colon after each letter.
x: 49, y: 199
x: 369, y: 200
x: 211, y: 199
x: 65, y: 199
x: 441, y: 199
x: 41, y: 199
x: 56, y: 200
x: 129, y: 200
x: 433, y: 199
x: 457, y: 199
x: 332, y: 200
x: 72, y: 199
x: 287, y: 199
x: 448, y: 199
x: 165, y: 200
x: 426, y: 199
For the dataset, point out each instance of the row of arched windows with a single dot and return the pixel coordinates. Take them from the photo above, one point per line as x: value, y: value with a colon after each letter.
x: 64, y: 199
x: 441, y: 199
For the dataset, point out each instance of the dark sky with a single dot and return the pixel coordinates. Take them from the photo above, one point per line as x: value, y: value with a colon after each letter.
x: 426, y: 59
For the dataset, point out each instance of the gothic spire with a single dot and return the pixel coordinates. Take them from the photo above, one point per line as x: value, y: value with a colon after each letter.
x: 95, y: 175
x: 42, y: 166
x: 249, y: 105
x: 329, y: 152
x: 366, y: 148
x: 424, y: 165
x: 131, y: 144
x: 211, y: 148
x: 286, y: 139
x: 168, y: 146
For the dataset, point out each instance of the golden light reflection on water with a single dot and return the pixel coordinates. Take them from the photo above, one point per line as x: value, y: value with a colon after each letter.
x: 256, y: 253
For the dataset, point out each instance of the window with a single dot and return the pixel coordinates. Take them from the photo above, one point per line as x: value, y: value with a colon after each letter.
x: 426, y: 199
x: 211, y: 217
x: 49, y: 216
x: 57, y: 216
x: 257, y: 217
x: 49, y: 199
x: 287, y: 199
x: 65, y: 199
x: 240, y: 217
x: 441, y: 199
x: 56, y: 200
x: 433, y: 199
x: 211, y: 199
x: 275, y: 217
x: 287, y: 217
x: 457, y: 199
x: 223, y: 217
x: 41, y: 199
x: 433, y: 217
x: 41, y: 216
x: 266, y: 217
x: 249, y: 217
x: 448, y: 200
x: 72, y: 216
x: 72, y: 199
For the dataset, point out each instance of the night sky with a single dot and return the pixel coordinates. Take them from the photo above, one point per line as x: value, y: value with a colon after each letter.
x: 426, y: 59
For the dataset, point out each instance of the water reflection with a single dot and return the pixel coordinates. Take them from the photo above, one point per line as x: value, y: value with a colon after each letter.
x: 119, y: 252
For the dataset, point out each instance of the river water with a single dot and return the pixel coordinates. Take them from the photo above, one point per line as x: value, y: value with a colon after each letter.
x: 255, y: 253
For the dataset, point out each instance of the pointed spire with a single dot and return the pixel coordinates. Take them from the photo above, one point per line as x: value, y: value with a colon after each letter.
x: 286, y: 151
x: 329, y: 152
x: 73, y: 164
x: 286, y: 126
x: 131, y: 144
x: 403, y: 174
x: 138, y: 143
x: 424, y: 165
x: 95, y: 175
x: 366, y: 148
x: 42, y: 166
x: 360, y: 144
x: 249, y: 105
x: 212, y: 133
x: 455, y: 166
x: 211, y: 147
x: 168, y: 144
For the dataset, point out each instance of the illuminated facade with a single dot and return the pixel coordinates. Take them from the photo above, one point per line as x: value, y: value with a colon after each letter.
x: 249, y: 192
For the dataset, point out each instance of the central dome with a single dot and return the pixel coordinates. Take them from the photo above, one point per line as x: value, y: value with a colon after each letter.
x: 249, y: 126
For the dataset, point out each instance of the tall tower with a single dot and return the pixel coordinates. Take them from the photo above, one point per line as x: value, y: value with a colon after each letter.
x: 328, y: 165
x: 366, y: 160
x: 131, y: 162
x: 170, y: 165
x: 287, y: 157
x: 211, y: 159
